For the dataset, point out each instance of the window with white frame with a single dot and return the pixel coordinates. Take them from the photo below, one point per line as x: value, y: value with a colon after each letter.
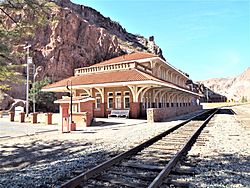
x: 126, y: 93
x: 126, y: 102
x: 110, y: 100
x: 97, y: 100
x: 74, y: 107
x: 118, y: 93
x: 118, y: 100
x: 126, y: 99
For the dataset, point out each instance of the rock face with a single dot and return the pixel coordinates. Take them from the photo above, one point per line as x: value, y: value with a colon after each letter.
x: 78, y: 36
x: 5, y: 101
x: 233, y: 88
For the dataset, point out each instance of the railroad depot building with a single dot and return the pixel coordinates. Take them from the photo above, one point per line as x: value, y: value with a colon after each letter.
x: 136, y: 82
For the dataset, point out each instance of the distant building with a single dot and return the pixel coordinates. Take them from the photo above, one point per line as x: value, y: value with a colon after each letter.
x: 211, y: 96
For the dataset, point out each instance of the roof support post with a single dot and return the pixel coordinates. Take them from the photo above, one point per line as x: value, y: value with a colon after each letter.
x: 156, y: 94
x: 101, y: 91
x: 168, y: 72
x: 135, y: 90
x: 88, y: 90
x: 162, y: 94
x: 144, y: 91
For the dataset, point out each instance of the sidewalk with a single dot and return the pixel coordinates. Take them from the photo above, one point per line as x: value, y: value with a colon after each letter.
x: 15, y: 129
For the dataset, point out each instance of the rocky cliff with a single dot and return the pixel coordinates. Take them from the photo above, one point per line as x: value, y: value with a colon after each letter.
x: 77, y: 36
x: 73, y: 36
x: 233, y: 88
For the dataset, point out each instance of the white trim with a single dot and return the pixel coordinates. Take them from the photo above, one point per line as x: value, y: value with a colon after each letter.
x: 118, y: 97
x: 117, y: 93
x: 129, y: 61
x: 124, y: 103
x: 124, y: 93
x: 108, y: 102
x: 101, y: 91
x: 110, y: 93
x: 96, y: 102
x: 144, y: 82
x: 75, y: 105
x: 171, y: 66
x: 78, y: 101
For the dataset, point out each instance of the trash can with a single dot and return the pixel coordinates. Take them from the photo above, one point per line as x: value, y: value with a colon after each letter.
x: 34, y: 117
x: 48, y: 118
x: 11, y: 116
x: 21, y: 117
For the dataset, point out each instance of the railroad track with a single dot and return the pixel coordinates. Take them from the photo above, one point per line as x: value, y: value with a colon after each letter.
x: 148, y: 164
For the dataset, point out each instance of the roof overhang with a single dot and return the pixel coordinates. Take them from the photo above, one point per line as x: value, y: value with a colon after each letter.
x: 73, y: 101
x: 150, y: 83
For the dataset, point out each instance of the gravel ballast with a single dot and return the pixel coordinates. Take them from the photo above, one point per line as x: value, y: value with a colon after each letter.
x: 50, y: 159
x: 223, y: 160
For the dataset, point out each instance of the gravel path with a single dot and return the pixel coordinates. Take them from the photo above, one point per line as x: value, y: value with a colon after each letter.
x: 223, y: 160
x: 47, y: 160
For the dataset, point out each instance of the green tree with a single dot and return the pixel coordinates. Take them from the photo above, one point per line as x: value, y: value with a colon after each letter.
x: 19, y: 20
x: 44, y: 100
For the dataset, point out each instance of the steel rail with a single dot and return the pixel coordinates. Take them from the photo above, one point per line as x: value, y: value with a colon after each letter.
x: 107, y: 164
x: 166, y: 171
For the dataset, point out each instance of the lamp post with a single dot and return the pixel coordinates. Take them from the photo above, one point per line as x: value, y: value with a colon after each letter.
x: 71, y: 102
x: 34, y: 80
x: 29, y: 61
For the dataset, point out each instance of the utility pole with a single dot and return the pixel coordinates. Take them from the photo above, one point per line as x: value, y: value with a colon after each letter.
x: 29, y: 61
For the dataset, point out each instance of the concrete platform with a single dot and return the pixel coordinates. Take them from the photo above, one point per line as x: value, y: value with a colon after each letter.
x: 15, y: 129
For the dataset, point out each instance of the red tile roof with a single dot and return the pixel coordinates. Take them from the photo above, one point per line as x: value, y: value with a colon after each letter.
x: 104, y: 77
x: 110, y: 77
x: 128, y: 57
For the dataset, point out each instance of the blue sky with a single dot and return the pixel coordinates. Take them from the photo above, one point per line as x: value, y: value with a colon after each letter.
x: 206, y: 39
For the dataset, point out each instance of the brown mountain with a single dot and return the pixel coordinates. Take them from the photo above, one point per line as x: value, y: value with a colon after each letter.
x: 233, y: 87
x: 77, y: 36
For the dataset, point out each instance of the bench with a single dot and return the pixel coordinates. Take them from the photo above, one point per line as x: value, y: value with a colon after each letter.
x: 119, y: 113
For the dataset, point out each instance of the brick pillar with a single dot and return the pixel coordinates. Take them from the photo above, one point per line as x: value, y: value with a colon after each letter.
x: 21, y: 117
x: 134, y: 110
x: 11, y: 116
x: 48, y: 118
x: 105, y: 109
x: 102, y: 110
x: 34, y: 117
